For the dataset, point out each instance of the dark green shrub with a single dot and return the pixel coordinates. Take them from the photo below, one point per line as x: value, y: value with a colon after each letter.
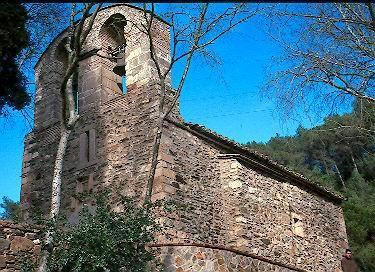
x: 105, y: 240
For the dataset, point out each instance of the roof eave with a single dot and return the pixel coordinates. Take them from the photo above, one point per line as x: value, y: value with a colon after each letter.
x: 251, y: 158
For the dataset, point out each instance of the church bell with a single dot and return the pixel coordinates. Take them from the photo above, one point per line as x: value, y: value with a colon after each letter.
x: 119, y: 54
x: 119, y: 69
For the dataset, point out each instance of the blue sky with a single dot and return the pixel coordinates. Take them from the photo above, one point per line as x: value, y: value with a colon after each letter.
x: 226, y: 99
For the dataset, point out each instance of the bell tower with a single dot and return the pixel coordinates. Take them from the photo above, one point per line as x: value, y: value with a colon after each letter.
x: 116, y: 93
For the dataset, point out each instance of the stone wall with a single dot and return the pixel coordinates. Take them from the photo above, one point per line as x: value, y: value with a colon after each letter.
x: 202, y: 259
x: 19, y: 243
x: 120, y: 154
x: 233, y: 204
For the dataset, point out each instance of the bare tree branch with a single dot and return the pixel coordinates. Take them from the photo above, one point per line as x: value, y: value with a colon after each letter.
x: 331, y: 48
x: 194, y: 36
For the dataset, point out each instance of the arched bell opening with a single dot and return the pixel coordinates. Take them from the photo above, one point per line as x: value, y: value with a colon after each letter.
x: 62, y: 55
x: 113, y: 40
x: 118, y: 54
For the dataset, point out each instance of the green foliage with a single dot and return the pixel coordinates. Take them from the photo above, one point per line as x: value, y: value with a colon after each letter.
x: 358, y: 186
x: 27, y: 266
x: 359, y: 212
x: 366, y: 256
x: 339, y: 152
x: 105, y: 239
x: 14, y: 38
x: 366, y: 166
x: 11, y: 210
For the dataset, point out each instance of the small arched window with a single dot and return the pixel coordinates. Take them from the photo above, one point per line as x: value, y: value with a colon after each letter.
x: 113, y: 39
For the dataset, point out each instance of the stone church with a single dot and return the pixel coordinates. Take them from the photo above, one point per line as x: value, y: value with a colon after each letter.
x: 247, y: 213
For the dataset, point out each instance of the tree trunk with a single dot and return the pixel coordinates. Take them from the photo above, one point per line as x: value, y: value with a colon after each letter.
x: 326, y: 169
x: 156, y: 145
x: 353, y: 161
x: 77, y: 35
x: 155, y: 154
x: 339, y: 174
x: 55, y: 197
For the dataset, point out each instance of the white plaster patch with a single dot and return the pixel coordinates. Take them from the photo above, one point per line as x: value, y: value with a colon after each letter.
x: 234, y: 184
x: 241, y: 219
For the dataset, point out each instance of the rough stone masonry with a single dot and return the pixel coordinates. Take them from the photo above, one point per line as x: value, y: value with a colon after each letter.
x: 245, y: 212
x: 19, y: 244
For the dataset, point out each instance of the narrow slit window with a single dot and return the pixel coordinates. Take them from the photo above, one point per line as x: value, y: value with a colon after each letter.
x: 87, y: 148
